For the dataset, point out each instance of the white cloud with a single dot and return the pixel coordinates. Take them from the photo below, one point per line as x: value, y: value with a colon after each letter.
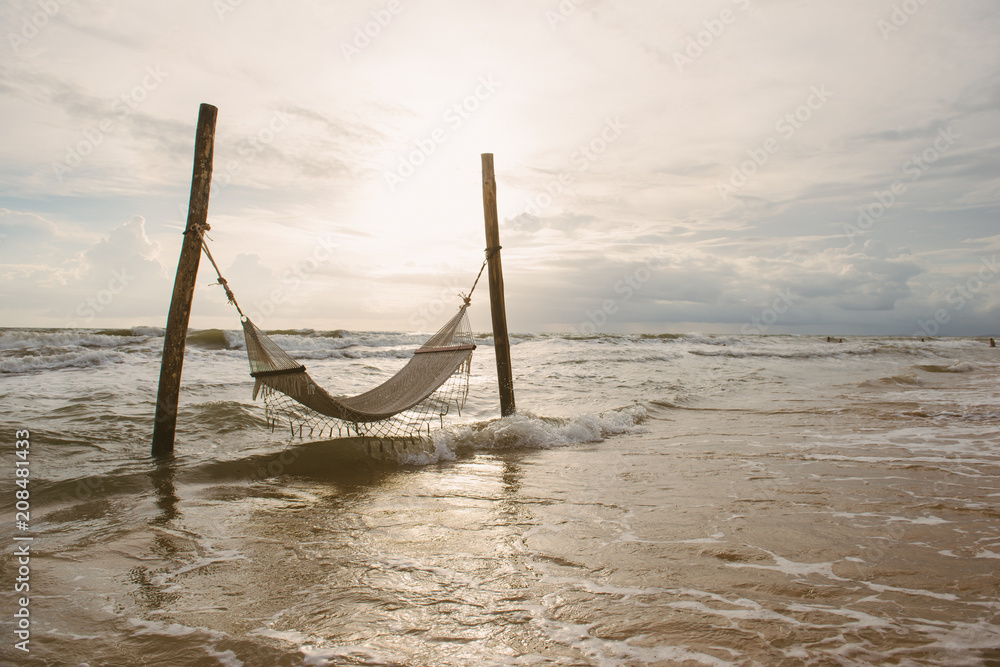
x: 306, y: 135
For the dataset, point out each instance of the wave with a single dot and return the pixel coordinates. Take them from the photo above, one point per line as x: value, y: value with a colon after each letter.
x: 22, y: 339
x: 906, y: 380
x: 738, y: 351
x: 524, y: 430
x: 661, y: 336
x: 625, y: 357
x: 74, y: 359
x: 209, y: 339
x: 960, y: 367
x: 521, y: 431
x: 217, y: 417
x: 151, y: 332
x: 338, y: 340
x: 351, y: 353
x: 741, y: 353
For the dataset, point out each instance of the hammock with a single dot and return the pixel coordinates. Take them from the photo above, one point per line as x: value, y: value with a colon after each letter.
x: 435, y: 378
x: 400, y: 406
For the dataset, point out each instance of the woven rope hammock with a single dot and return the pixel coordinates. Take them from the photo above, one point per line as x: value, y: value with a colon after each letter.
x: 435, y: 379
x: 403, y: 405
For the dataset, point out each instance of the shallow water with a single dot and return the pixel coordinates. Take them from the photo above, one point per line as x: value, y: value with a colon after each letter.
x: 687, y: 500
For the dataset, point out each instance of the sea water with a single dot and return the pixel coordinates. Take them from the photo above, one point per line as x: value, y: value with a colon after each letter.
x: 656, y: 500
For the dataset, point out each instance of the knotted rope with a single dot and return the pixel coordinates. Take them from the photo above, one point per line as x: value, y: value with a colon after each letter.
x: 222, y: 281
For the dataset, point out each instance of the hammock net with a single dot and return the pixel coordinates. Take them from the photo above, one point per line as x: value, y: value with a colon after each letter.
x: 434, y: 381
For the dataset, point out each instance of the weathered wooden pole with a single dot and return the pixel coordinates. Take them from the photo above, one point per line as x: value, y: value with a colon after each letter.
x: 501, y: 342
x: 165, y: 423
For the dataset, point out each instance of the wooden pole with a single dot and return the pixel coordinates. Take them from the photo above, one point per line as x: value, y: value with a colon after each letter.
x: 501, y: 343
x: 172, y: 361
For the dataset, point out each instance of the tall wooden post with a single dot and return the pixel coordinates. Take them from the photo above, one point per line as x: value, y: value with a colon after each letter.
x: 501, y: 343
x: 167, y: 395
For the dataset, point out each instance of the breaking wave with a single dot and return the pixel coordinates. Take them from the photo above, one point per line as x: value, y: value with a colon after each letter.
x: 524, y: 430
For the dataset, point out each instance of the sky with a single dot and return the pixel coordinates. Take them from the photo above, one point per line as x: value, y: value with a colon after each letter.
x: 724, y: 166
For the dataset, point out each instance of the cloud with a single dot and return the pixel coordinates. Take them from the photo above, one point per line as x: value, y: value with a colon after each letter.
x: 306, y: 135
x: 67, y: 279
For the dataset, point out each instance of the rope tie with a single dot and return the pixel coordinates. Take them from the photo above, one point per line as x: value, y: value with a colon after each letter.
x: 198, y: 228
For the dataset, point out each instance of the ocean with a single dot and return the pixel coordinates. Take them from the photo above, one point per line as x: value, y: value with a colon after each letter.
x: 657, y: 500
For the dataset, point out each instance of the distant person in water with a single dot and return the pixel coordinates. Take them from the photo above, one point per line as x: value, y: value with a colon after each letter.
x: 993, y: 343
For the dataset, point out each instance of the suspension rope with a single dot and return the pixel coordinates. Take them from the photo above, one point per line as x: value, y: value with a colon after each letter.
x: 489, y: 253
x: 222, y: 281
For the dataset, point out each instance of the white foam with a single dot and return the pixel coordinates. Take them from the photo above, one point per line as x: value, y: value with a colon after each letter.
x: 235, y: 340
x: 146, y: 627
x: 293, y: 637
x: 597, y: 588
x: 162, y: 579
x: 860, y: 619
x: 758, y: 613
x: 226, y: 658
x: 961, y: 637
x: 713, y: 539
x: 528, y: 431
x: 49, y: 362
x: 929, y: 520
x: 442, y: 452
x: 793, y: 568
x: 881, y: 588
x: 213, y: 556
x: 962, y: 367
x: 355, y: 654
x: 30, y: 339
x: 612, y: 652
